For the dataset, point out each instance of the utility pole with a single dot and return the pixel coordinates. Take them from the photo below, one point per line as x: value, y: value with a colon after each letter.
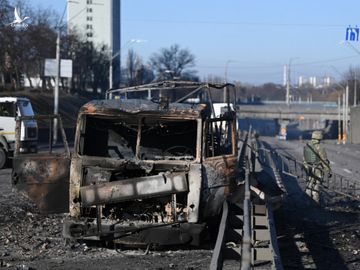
x: 339, y: 119
x: 287, y: 83
x: 355, y: 89
x: 57, y: 80
x: 288, y: 80
x: 111, y: 69
x: 343, y: 119
x: 225, y: 97
x: 358, y: 52
x: 346, y: 113
x: 225, y: 94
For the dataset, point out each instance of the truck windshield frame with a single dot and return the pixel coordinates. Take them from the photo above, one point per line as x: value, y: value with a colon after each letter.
x: 140, y: 137
x: 7, y: 109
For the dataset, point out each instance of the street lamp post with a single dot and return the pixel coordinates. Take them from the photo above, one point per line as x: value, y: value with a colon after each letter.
x: 111, y: 83
x: 58, y: 64
x: 355, y: 84
x: 345, y: 107
x: 128, y: 43
x: 57, y: 79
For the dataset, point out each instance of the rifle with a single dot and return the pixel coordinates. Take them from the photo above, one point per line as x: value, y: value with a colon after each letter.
x: 323, y: 161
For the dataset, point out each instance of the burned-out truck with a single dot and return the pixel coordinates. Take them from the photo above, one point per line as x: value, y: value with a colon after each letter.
x: 146, y: 170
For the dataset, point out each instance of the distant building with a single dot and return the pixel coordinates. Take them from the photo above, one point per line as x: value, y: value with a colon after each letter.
x: 301, y: 81
x: 313, y: 81
x: 100, y: 21
x: 327, y: 81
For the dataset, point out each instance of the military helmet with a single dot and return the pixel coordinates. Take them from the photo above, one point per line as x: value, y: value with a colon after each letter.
x: 317, y: 135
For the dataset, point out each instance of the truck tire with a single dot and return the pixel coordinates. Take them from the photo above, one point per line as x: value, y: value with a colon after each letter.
x: 2, y: 158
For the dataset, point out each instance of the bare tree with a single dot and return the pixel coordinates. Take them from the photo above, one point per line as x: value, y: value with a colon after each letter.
x: 173, y: 63
x: 133, y: 63
x: 90, y: 63
x: 23, y: 50
x: 144, y: 74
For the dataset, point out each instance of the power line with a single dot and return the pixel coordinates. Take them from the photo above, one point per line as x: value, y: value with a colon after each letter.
x: 234, y: 23
x: 240, y: 67
x: 281, y: 65
x: 326, y: 61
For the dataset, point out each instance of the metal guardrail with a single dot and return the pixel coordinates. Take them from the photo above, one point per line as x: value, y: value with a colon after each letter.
x: 247, y: 233
x: 290, y: 166
x: 217, y: 257
x: 246, y: 241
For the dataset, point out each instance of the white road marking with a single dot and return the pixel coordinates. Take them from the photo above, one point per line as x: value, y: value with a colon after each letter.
x: 348, y: 171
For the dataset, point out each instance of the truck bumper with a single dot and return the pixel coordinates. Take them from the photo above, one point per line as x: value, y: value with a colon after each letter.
x: 28, y: 147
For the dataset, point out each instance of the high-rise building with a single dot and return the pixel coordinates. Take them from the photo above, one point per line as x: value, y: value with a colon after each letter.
x: 301, y: 81
x: 327, y: 80
x: 313, y: 81
x: 99, y: 21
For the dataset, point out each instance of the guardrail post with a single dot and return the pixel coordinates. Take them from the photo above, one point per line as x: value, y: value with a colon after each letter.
x: 246, y: 242
x: 341, y: 184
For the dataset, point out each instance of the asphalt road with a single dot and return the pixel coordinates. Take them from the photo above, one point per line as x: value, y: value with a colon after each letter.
x: 344, y: 158
x: 313, y: 236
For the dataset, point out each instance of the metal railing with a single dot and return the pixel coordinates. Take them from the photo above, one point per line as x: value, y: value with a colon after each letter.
x: 257, y: 234
x: 290, y: 166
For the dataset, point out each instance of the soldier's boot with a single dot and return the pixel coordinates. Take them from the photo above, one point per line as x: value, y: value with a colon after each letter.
x: 316, y: 196
x: 316, y: 192
x: 309, y: 187
x: 308, y: 192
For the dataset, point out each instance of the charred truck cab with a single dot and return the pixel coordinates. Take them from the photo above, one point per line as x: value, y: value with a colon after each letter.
x: 151, y: 164
x: 150, y: 172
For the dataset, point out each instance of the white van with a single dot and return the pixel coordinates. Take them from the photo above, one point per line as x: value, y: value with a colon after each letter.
x: 10, y: 108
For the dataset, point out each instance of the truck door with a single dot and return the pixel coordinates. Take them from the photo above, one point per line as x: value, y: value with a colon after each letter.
x: 43, y: 177
x: 220, y: 162
x: 7, y: 130
x: 7, y: 120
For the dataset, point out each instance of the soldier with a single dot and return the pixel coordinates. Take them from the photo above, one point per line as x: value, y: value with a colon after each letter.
x: 316, y: 165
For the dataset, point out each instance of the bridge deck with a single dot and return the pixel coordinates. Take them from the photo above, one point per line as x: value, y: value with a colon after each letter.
x: 295, y: 111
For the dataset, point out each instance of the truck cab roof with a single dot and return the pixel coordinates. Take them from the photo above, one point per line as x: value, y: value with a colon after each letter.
x: 13, y: 99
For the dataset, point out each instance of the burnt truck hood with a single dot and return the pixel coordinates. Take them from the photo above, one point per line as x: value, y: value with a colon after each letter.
x: 135, y: 106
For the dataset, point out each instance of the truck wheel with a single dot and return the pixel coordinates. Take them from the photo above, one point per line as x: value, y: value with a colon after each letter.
x: 2, y: 158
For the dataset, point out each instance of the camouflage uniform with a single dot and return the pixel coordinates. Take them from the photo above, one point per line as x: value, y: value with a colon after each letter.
x: 316, y: 167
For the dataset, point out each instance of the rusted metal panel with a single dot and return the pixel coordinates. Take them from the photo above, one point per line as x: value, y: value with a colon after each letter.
x: 219, y: 182
x: 94, y: 175
x: 74, y: 190
x: 43, y: 177
x: 114, y: 107
x: 134, y: 188
x: 195, y: 176
x: 44, y: 180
